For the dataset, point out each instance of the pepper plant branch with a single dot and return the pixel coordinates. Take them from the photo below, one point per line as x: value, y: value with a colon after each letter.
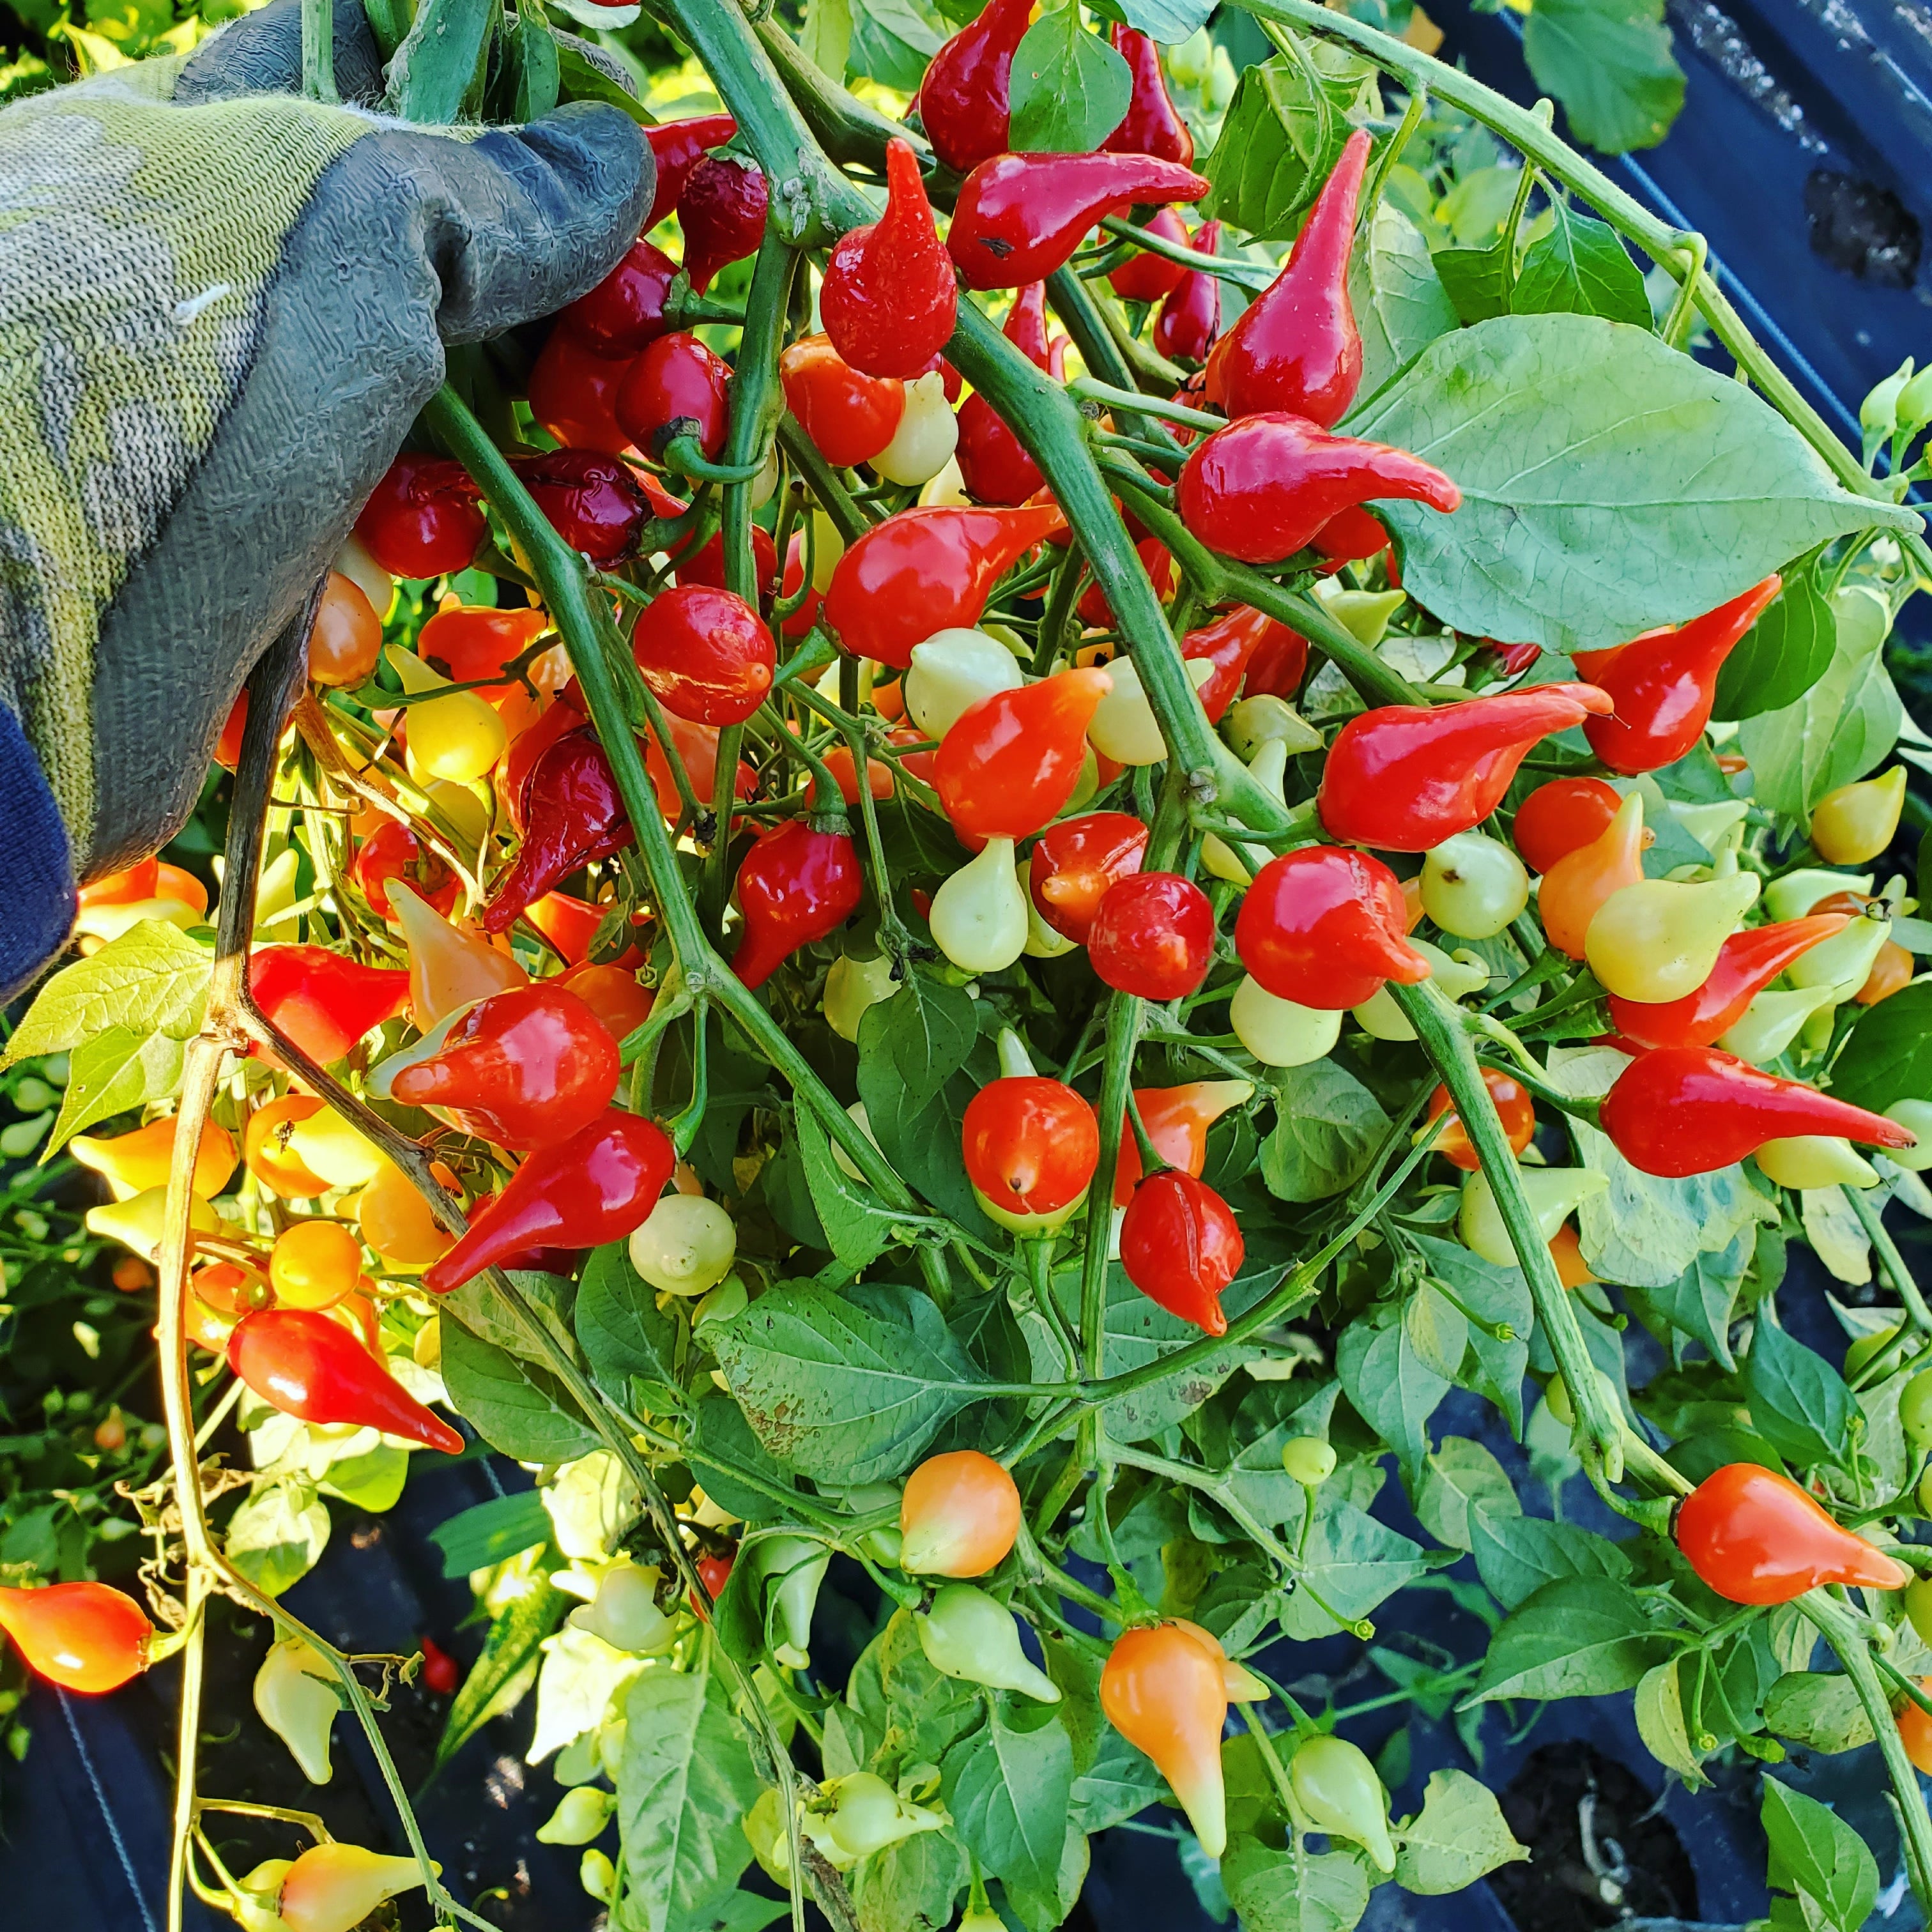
x: 1872, y: 1220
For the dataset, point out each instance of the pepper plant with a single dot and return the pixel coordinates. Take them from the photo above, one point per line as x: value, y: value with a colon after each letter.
x: 961, y: 988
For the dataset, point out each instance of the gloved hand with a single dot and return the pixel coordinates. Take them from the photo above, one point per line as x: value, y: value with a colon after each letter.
x: 221, y: 307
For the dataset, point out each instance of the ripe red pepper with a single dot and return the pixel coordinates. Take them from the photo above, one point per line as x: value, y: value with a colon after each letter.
x: 675, y: 384
x: 1326, y: 927
x: 926, y: 571
x: 706, y: 565
x: 1754, y: 1537
x: 1295, y: 347
x: 1176, y: 1120
x: 1231, y: 643
x: 572, y: 814
x: 1020, y: 217
x: 467, y: 642
x: 393, y: 851
x: 1353, y: 537
x: 1153, y: 125
x: 1664, y: 682
x: 571, y: 924
x: 520, y: 762
x: 592, y: 500
x: 1747, y: 962
x: 1031, y: 1144
x: 1404, y: 777
x: 574, y: 395
x: 424, y: 518
x: 722, y: 213
x: 623, y: 315
x: 1094, y: 607
x: 88, y: 1637
x: 1076, y: 862
x: 963, y: 102
x: 1265, y: 487
x: 1147, y: 278
x: 594, y: 1188
x: 992, y: 460
x: 888, y: 299
x: 1562, y: 816
x: 1153, y: 937
x: 1180, y: 1246
x: 306, y: 1364
x: 1678, y: 1110
x: 800, y: 880
x: 322, y: 1001
x: 1279, y: 664
x: 441, y: 1673
x: 1514, y: 1108
x: 706, y: 653
x: 1190, y: 318
x: 714, y: 1572
x: 849, y: 416
x: 1010, y: 762
x: 677, y: 147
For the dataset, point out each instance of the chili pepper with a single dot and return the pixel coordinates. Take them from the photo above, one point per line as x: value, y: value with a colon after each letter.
x: 571, y: 925
x: 1281, y: 1032
x: 314, y: 1264
x: 980, y: 916
x: 1664, y: 682
x: 1678, y: 1111
x: 1891, y: 973
x: 706, y: 565
x: 1020, y: 217
x: 590, y: 1189
x: 959, y: 1515
x: 1144, y: 277
x: 136, y: 1222
x: 1153, y: 936
x: 1163, y: 1690
x: 149, y: 889
x: 1296, y: 348
x: 424, y: 518
x: 714, y: 1570
x: 993, y: 462
x: 1473, y: 886
x: 83, y: 1636
x: 869, y: 1815
x: 1558, y: 818
x: 449, y: 965
x: 800, y: 881
x: 1337, y: 1788
x: 721, y: 211
x: 1309, y: 1459
x: 624, y: 313
x: 685, y: 1246
x: 793, y: 1567
x: 1355, y: 535
x: 299, y: 1361
x: 1746, y: 963
x: 1513, y: 1106
x: 849, y: 416
x: 677, y: 386
x: 1773, y: 1021
x: 949, y: 673
x: 1190, y: 318
x: 265, y: 1149
x: 1553, y: 1193
x: 1011, y: 762
x: 925, y: 570
x: 346, y: 636
x: 133, y: 1162
x: 1404, y: 777
x: 963, y: 100
x: 613, y: 993
x: 592, y: 500
x: 967, y: 1634
x: 928, y: 434
x: 394, y: 852
x: 573, y: 814
x: 458, y: 737
x: 1176, y: 1119
x: 677, y: 147
x: 1914, y: 1730
x: 1844, y: 961
x: 582, y: 1813
x: 706, y: 653
x: 322, y: 1002
x: 1813, y: 1161
x: 1279, y: 664
x: 1577, y: 886
x: 696, y: 744
x: 625, y: 1612
x: 888, y: 299
x: 398, y: 1224
x: 333, y: 1887
x: 1754, y: 1537
x: 295, y: 1696
x: 573, y: 395
x: 1659, y: 939
x: 1857, y: 822
x: 1030, y: 1145
x: 1153, y: 125
x: 1325, y: 928
x: 1076, y: 861
x: 1180, y: 1246
x: 1229, y: 643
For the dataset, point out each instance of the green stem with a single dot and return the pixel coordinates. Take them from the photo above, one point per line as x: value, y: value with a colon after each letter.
x: 318, y: 50
x: 1247, y: 274
x: 1123, y: 1020
x: 1872, y: 1220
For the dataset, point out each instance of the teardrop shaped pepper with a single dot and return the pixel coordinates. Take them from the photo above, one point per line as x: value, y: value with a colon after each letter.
x: 133, y: 1162
x: 800, y: 881
x: 1561, y: 816
x: 1327, y: 928
x: 721, y: 211
x: 88, y: 1637
x: 1747, y: 962
x: 1514, y: 1108
x: 677, y: 147
x: 1679, y: 1111
x: 1663, y: 683
x: 1230, y: 643
x: 1153, y: 936
x: 333, y: 1887
x: 967, y: 1634
x: 1659, y: 939
x: 295, y: 1696
x: 850, y: 417
x: 1857, y: 822
x: 888, y: 299
x: 1154, y: 125
x: 1404, y: 777
x: 1296, y: 347
x: 963, y: 101
x: 573, y: 395
x: 1337, y: 1787
x: 1190, y: 318
x: 1164, y: 1692
x: 309, y: 1366
x: 624, y: 314
x: 1074, y: 862
x: 1145, y: 277
x: 705, y: 652
x: 425, y: 517
x: 573, y: 814
x: 1020, y: 217
x: 1180, y: 1246
x: 449, y: 965
x: 993, y: 462
x: 593, y: 501
x: 1011, y: 762
x: 1030, y: 1145
x: 677, y: 387
x: 1176, y: 1119
x: 584, y: 1192
x: 1577, y: 886
x: 324, y: 1003
x: 1754, y: 1537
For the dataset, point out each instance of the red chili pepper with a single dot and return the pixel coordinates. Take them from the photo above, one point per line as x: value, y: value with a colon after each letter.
x: 593, y: 501
x: 800, y: 880
x: 322, y: 1001
x: 88, y: 1637
x: 1153, y: 125
x: 424, y: 518
x: 1679, y: 1111
x: 1020, y: 217
x: 1514, y: 1108
x: 1326, y: 927
x: 993, y: 461
x: 467, y: 642
x: 1296, y: 347
x: 714, y: 1571
x: 1404, y: 777
x: 1094, y: 608
x: 1180, y: 1246
x: 706, y: 565
x: 1190, y: 318
x: 1279, y: 664
x: 527, y: 747
x: 303, y: 1363
x: 926, y: 571
x: 393, y: 851
x: 1230, y: 643
x: 677, y: 386
x: 1513, y: 660
x: 1075, y: 863
x: 572, y: 814
x: 696, y: 744
x: 1010, y: 762
x: 706, y: 653
x: 1663, y: 683
x: 592, y: 1189
x: 1263, y: 487
x: 1176, y: 1119
x: 227, y: 752
x: 1153, y: 936
x: 849, y: 416
x: 1562, y: 816
x: 1144, y: 277
x: 722, y: 213
x: 677, y: 147
x: 1353, y: 537
x: 963, y: 101
x: 1031, y: 1144
x: 624, y: 314
x: 888, y: 299
x: 571, y: 924
x: 802, y: 619
x: 1754, y: 1537
x: 574, y: 395
x: 613, y: 993
x: 441, y: 1674
x: 1747, y: 962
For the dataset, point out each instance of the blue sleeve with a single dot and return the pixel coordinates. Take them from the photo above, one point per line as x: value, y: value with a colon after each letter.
x: 36, y: 894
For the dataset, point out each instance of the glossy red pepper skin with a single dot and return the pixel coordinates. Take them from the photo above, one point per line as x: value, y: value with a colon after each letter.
x: 308, y: 1365
x: 572, y: 814
x: 527, y: 749
x: 676, y: 382
x: 706, y: 653
x: 706, y: 565
x: 624, y: 314
x: 889, y: 298
x: 596, y: 1187
x: 1153, y: 125
x: 442, y: 1675
x: 1754, y: 1537
x: 722, y: 213
x: 322, y: 1001
x: 424, y: 518
x: 1020, y: 217
x: 1076, y: 862
x: 993, y: 461
x: 592, y: 500
x: 1180, y: 1246
x: 677, y: 147
x: 925, y: 571
x: 1353, y: 537
x: 1176, y: 1120
x: 849, y: 416
x: 468, y: 642
x: 1296, y: 347
x: 1030, y: 1144
x: 1404, y: 777
x: 964, y: 101
x: 1190, y: 318
x: 1094, y: 607
x: 1263, y: 487
x: 88, y: 1637
x: 1327, y: 928
x: 393, y: 851
x: 1664, y: 683
x: 1010, y: 762
x: 574, y: 395
x: 696, y: 744
x: 1514, y: 1108
x: 1279, y: 664
x: 1558, y: 818
x: 1678, y: 1110
x: 1747, y: 962
x: 1229, y: 643
x: 1147, y: 278
x: 797, y: 883
x: 1153, y: 937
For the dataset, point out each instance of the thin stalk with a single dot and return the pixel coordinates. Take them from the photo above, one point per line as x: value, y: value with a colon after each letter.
x: 1872, y: 1220
x: 318, y: 50
x: 1246, y: 274
x: 1123, y: 1022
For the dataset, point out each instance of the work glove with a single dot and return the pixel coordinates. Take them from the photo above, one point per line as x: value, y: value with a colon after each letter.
x: 221, y: 307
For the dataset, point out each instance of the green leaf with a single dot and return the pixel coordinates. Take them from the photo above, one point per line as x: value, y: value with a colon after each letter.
x: 500, y: 1678
x: 1477, y: 280
x: 912, y: 1884
x: 516, y: 1407
x: 1008, y: 1788
x: 579, y: 78
x: 278, y: 1536
x: 1458, y: 1835
x: 1578, y: 266
x: 1783, y: 654
x: 1352, y: 1563
x: 827, y: 40
x: 1581, y: 1636
x: 1169, y: 22
x: 911, y: 1045
x: 1327, y: 1126
x: 857, y: 1223
x: 372, y: 1481
x: 1660, y: 1723
x: 1295, y: 1890
x: 1799, y: 1402
x: 437, y: 64
x: 1437, y: 1329
x: 110, y: 1073
x: 153, y: 979
x: 1889, y: 1056
x: 1461, y: 1481
x: 1392, y: 1388
x: 538, y: 70
x: 1070, y: 89
x: 1699, y: 1303
x: 1400, y: 304
x: 1609, y: 63
x: 589, y: 13
x: 1819, y: 1710
x: 892, y: 41
x: 1610, y: 483
x: 1495, y: 1294
x: 1517, y: 1555
x: 491, y: 1532
x: 625, y: 1339
x: 1815, y: 1854
x: 1121, y: 1784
